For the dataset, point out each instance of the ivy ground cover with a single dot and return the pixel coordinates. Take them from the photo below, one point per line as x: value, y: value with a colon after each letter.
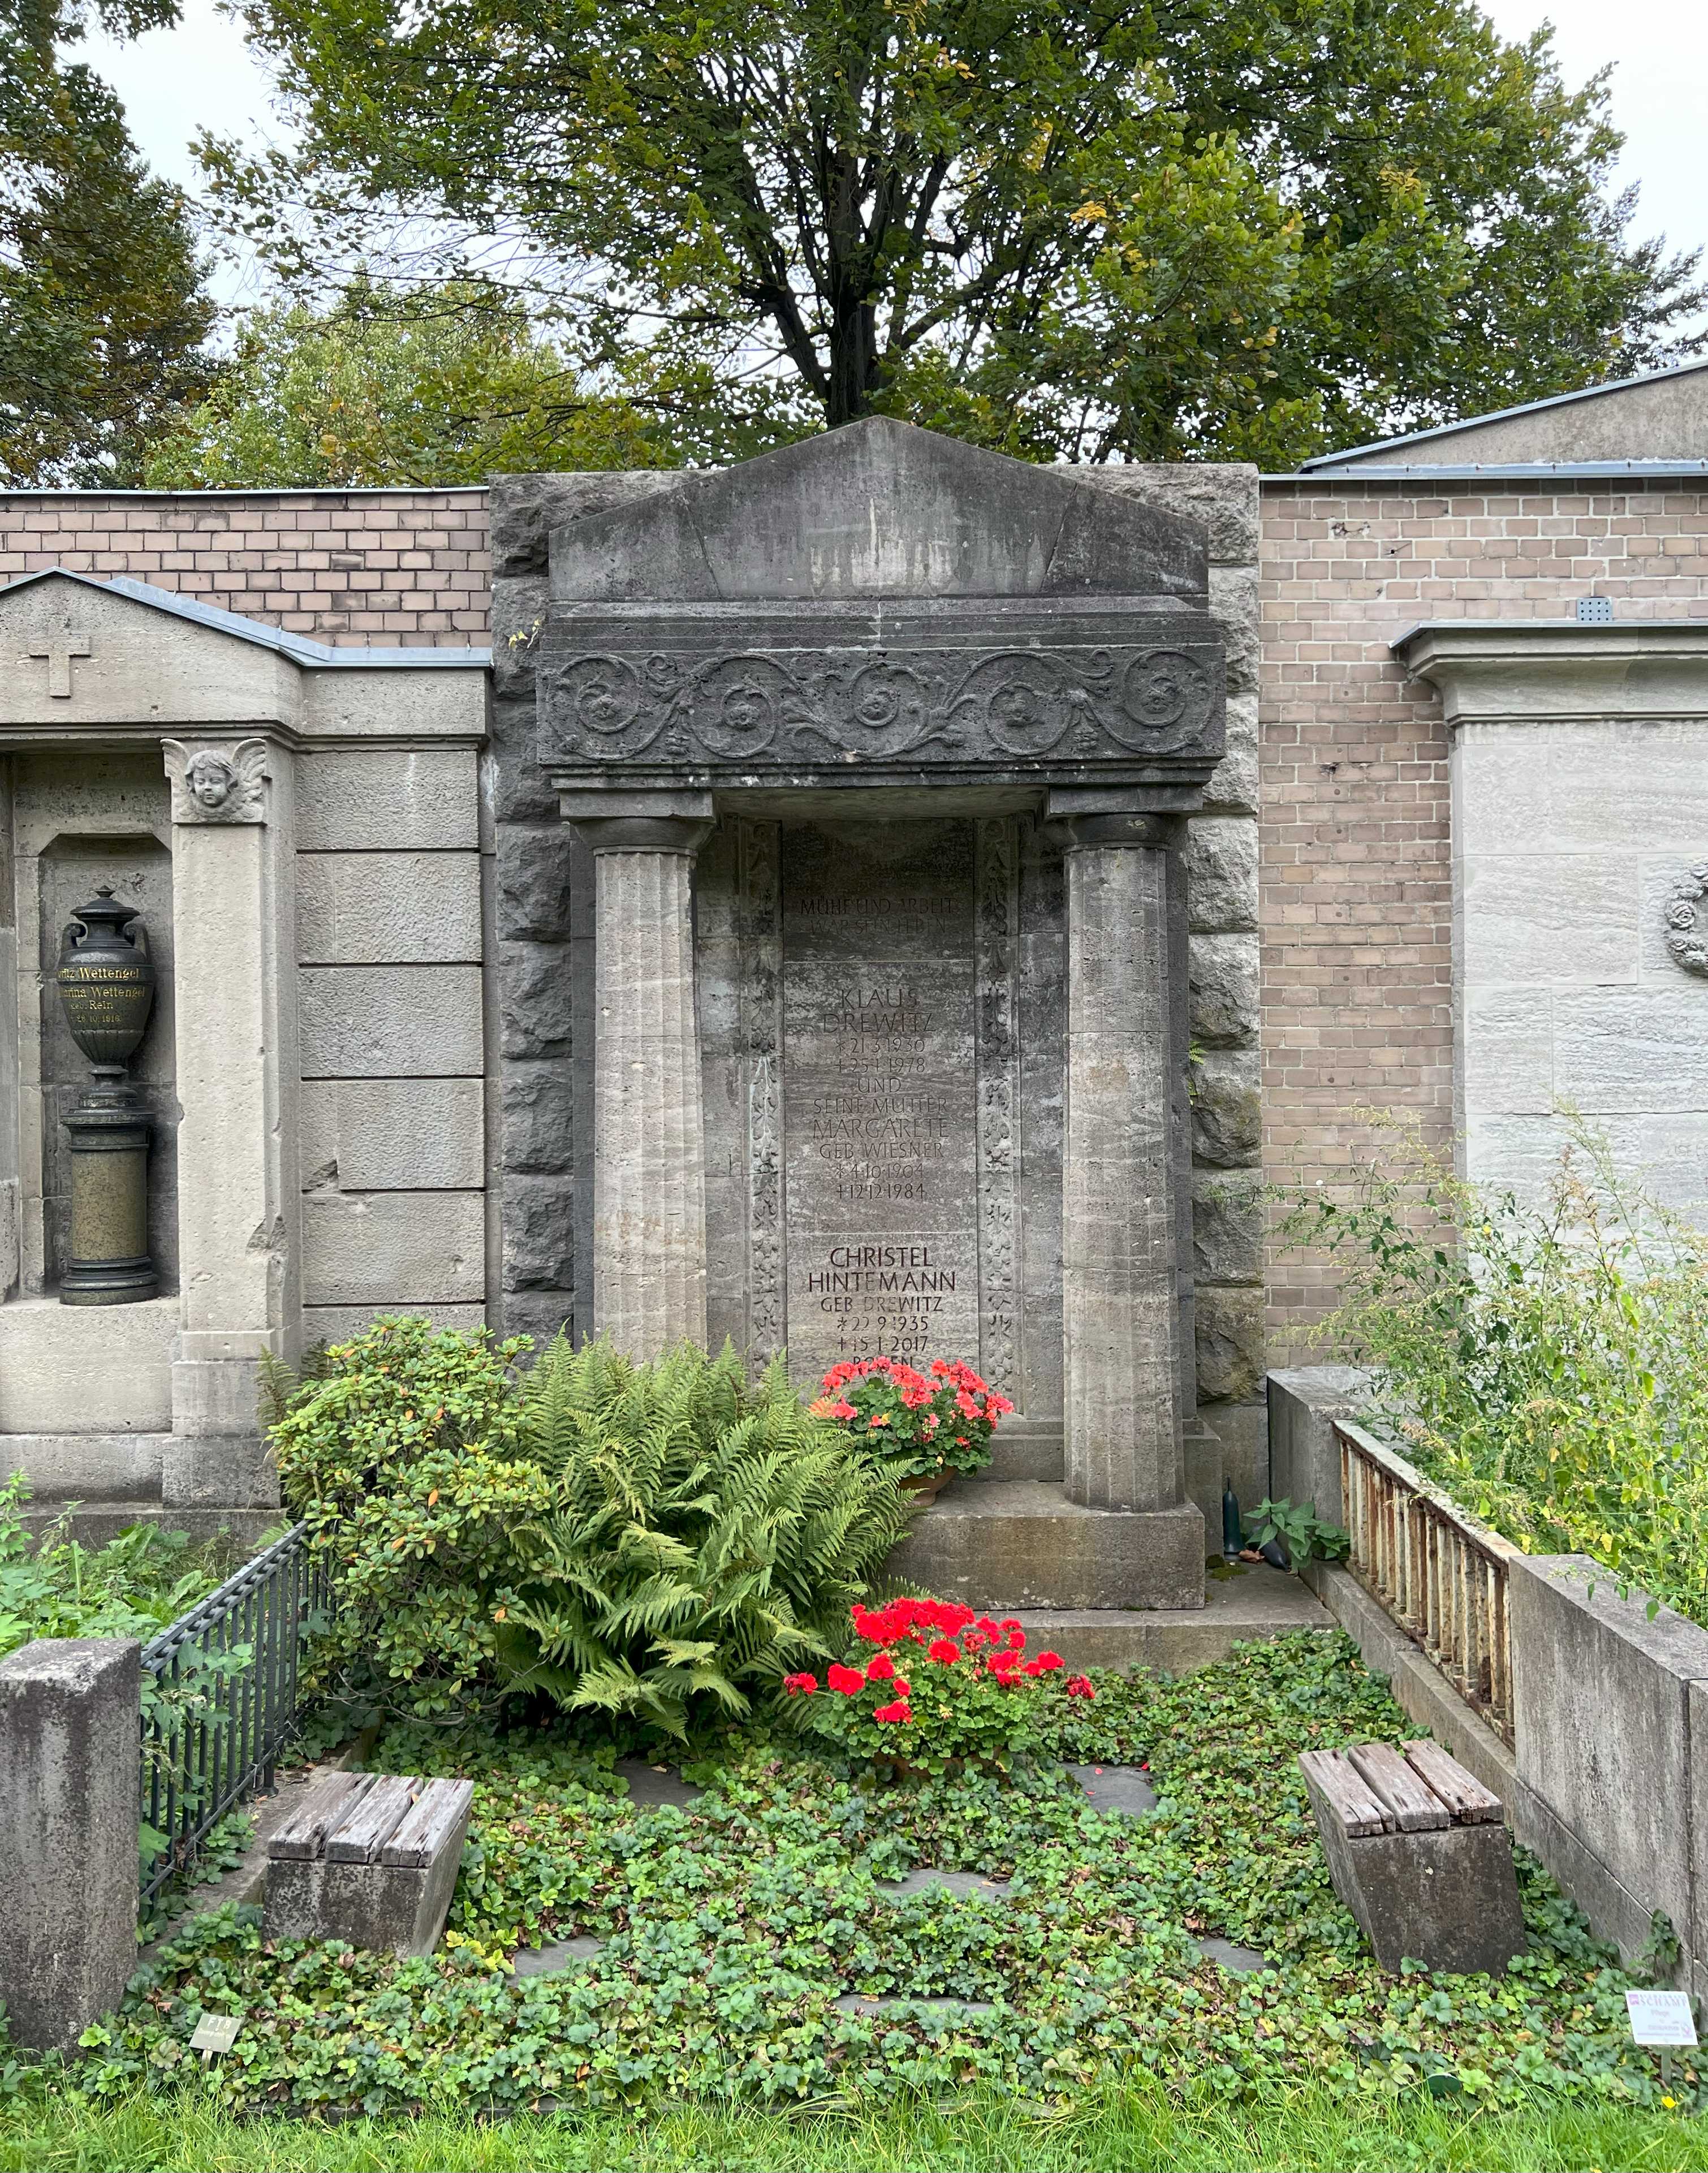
x: 731, y: 1928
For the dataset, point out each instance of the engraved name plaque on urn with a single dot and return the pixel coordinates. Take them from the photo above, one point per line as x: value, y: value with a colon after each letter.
x: 106, y: 986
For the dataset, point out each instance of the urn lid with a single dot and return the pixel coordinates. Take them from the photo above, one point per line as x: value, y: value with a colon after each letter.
x: 106, y: 912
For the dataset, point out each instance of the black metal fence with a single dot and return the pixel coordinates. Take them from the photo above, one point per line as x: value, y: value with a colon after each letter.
x: 219, y: 1694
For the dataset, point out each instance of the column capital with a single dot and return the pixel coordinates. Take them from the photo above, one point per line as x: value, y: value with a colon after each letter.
x: 658, y: 822
x: 1085, y: 832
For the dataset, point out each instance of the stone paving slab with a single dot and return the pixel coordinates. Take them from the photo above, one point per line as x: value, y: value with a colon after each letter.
x: 935, y: 2010
x: 562, y: 1955
x: 1259, y: 1602
x: 930, y: 1880
x: 1116, y: 1788
x: 650, y: 1785
x: 1242, y: 1960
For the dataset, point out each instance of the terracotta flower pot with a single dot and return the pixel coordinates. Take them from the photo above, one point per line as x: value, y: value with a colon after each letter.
x: 929, y: 1484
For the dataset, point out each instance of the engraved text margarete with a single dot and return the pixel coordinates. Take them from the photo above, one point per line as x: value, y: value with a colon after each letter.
x: 878, y: 1090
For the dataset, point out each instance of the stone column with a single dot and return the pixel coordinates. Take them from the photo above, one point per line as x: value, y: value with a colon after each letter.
x: 1120, y: 1298
x: 232, y: 920
x: 648, y: 1128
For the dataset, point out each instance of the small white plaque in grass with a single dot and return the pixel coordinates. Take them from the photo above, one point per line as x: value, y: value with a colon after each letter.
x: 218, y: 2033
x: 1660, y: 2018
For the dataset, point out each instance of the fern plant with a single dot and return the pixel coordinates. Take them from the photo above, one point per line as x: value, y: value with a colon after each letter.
x: 704, y: 1537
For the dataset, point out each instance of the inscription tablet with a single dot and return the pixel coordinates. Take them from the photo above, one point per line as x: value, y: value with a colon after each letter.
x: 879, y: 1092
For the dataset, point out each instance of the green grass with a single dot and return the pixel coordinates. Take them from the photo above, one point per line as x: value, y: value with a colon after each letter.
x: 1112, y: 2129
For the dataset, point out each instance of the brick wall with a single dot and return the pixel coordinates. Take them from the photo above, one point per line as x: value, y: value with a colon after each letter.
x: 391, y: 568
x: 1356, y: 892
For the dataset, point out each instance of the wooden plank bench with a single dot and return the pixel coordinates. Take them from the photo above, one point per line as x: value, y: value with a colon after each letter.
x: 1418, y: 1853
x: 371, y: 1858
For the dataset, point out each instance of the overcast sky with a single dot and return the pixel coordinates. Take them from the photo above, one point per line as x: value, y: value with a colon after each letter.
x: 175, y: 82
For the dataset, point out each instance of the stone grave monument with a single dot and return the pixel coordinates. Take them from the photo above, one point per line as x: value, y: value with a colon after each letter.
x: 877, y: 754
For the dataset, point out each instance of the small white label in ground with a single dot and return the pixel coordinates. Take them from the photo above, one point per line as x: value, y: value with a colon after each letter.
x: 218, y: 2033
x: 1660, y: 2018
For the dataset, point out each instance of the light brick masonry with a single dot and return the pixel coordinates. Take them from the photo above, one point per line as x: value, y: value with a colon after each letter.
x: 385, y: 569
x: 1356, y: 887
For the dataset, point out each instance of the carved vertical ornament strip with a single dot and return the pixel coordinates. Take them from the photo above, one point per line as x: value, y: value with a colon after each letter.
x: 997, y: 1028
x: 759, y: 928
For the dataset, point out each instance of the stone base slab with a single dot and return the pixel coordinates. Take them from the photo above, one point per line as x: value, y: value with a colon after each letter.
x: 1263, y: 1603
x: 217, y: 1471
x: 1010, y: 1545
x: 73, y: 1467
x: 93, y: 1524
x: 69, y: 1369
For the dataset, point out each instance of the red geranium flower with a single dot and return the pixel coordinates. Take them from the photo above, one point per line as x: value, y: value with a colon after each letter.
x: 944, y: 1651
x: 881, y: 1668
x: 849, y: 1680
x: 1047, y: 1663
x: 899, y: 1710
x: 1080, y: 1686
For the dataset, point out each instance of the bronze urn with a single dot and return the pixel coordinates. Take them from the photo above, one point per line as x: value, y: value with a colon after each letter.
x: 106, y: 985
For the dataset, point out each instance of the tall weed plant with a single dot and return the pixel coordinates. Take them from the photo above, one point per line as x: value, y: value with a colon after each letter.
x: 662, y: 1543
x: 1546, y: 1362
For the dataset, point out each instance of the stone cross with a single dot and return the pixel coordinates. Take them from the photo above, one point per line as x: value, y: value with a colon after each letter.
x: 58, y: 651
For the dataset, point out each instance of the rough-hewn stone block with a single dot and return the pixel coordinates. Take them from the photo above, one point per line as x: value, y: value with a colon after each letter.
x: 535, y: 1010
x: 1226, y: 1114
x: 1224, y: 990
x: 1221, y: 862
x: 1227, y: 1225
x: 1228, y: 1327
x: 539, y: 1234
x: 538, y: 1119
x: 533, y: 883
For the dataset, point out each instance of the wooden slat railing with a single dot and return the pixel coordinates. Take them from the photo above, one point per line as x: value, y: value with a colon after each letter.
x: 1438, y: 1572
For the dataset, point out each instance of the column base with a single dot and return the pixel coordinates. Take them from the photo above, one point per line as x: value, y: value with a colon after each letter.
x: 1010, y: 1545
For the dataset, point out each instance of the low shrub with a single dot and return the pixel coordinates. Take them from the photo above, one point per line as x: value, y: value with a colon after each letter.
x: 661, y: 1542
x: 917, y: 1425
x: 1547, y: 1362
x: 944, y: 1691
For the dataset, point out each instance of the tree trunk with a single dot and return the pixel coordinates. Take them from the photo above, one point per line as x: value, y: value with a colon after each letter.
x: 853, y: 361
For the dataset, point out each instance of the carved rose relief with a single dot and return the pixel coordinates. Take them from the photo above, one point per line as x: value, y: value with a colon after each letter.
x: 1687, y: 920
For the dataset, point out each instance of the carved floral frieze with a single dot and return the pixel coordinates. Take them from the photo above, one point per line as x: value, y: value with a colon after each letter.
x: 1687, y: 920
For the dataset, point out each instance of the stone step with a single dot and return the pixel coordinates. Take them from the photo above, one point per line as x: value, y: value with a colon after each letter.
x: 1010, y: 1543
x: 76, y: 1466
x: 93, y: 1524
x: 1259, y: 1602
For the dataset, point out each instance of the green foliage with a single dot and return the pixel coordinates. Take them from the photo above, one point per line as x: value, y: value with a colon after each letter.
x: 647, y: 1541
x: 103, y: 318
x: 132, y: 1587
x: 703, y: 1537
x: 403, y: 1459
x: 1301, y: 1531
x: 1546, y: 1362
x: 1111, y: 2128
x: 732, y: 1926
x: 1247, y: 231
x: 446, y: 385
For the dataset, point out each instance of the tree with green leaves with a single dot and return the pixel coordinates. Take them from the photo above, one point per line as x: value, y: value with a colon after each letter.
x: 443, y: 385
x: 1089, y: 229
x: 103, y: 318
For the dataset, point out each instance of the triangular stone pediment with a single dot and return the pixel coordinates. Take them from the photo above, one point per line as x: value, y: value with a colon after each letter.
x: 79, y: 652
x: 880, y: 509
